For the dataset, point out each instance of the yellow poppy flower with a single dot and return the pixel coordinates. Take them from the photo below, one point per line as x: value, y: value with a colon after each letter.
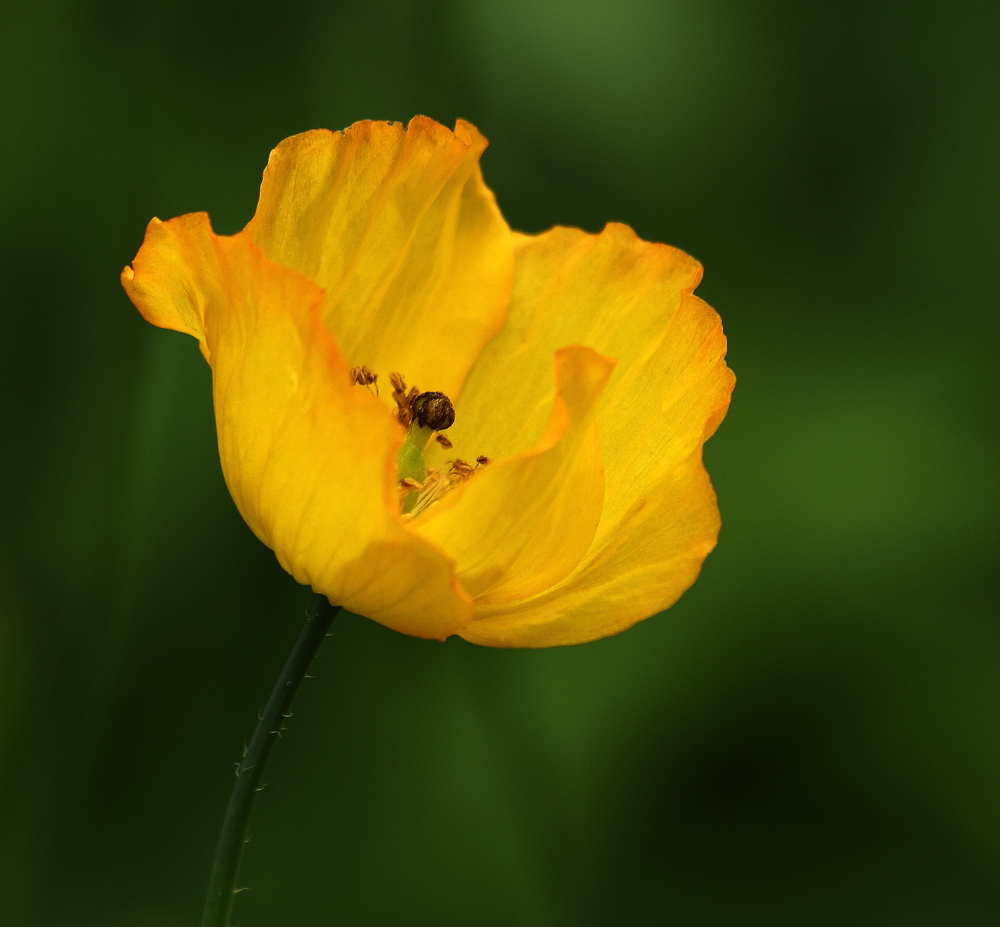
x: 567, y: 502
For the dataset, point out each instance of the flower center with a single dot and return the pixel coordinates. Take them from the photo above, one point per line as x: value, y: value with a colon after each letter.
x: 424, y: 415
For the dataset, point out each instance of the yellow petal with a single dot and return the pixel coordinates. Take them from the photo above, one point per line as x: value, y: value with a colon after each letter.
x: 632, y: 300
x: 398, y: 228
x: 309, y: 460
x: 521, y: 525
x: 638, y: 572
x: 162, y: 292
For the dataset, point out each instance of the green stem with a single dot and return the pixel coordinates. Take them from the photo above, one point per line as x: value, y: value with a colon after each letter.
x: 225, y: 868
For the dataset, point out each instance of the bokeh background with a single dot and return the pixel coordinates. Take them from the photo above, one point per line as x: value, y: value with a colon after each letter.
x: 811, y: 737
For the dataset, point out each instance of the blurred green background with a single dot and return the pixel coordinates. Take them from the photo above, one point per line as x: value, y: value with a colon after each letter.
x: 810, y: 737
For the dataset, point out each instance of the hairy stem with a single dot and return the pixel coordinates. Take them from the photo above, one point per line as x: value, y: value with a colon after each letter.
x: 225, y: 868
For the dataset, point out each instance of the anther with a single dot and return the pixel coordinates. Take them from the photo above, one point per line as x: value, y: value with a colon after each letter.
x: 363, y: 376
x: 403, y: 399
x: 443, y: 441
x: 409, y: 485
x: 434, y: 411
x: 461, y: 469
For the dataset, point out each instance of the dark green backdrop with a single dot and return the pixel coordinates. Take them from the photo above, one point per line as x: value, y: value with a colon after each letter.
x: 811, y: 737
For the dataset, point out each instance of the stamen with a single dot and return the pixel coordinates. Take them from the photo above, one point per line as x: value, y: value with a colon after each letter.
x: 403, y: 399
x: 425, y: 415
x: 440, y: 482
x: 461, y: 470
x: 409, y: 485
x: 364, y: 376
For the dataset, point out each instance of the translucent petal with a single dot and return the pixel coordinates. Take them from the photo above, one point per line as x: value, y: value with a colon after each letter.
x: 398, y: 228
x: 631, y: 300
x: 309, y: 459
x: 521, y: 525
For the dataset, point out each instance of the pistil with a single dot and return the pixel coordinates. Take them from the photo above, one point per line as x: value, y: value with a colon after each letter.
x: 422, y: 414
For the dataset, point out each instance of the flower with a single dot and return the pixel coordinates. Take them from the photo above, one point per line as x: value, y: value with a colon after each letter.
x: 584, y: 374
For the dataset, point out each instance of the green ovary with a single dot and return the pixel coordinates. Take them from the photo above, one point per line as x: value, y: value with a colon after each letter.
x: 410, y: 462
